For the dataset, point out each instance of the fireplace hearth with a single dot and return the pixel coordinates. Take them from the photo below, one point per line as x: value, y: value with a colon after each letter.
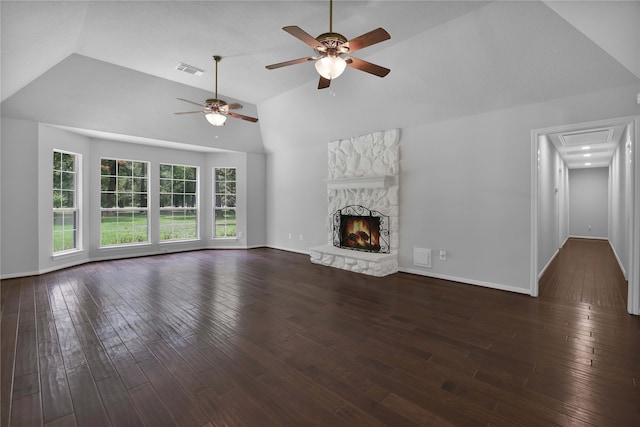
x: 363, y: 209
x: 357, y: 228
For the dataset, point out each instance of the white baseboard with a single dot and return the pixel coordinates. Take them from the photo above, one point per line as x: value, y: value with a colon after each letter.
x: 468, y: 281
x: 298, y: 251
x: 588, y: 237
x: 624, y: 272
x: 548, y: 264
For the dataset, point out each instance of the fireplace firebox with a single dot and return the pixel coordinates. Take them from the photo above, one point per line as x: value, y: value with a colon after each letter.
x: 358, y: 228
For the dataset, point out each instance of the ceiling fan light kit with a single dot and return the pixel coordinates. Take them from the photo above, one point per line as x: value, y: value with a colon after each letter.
x: 216, y: 119
x: 330, y: 47
x: 331, y: 67
x: 216, y: 110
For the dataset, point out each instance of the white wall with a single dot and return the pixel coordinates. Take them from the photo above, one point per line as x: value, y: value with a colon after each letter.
x: 589, y: 202
x: 256, y: 224
x: 297, y: 198
x: 19, y: 184
x: 620, y: 201
x: 553, y: 196
x: 465, y: 182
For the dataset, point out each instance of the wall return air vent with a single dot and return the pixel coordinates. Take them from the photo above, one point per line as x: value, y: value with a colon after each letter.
x: 189, y: 69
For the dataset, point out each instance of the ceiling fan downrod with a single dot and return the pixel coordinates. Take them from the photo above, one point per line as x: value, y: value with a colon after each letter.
x: 217, y: 59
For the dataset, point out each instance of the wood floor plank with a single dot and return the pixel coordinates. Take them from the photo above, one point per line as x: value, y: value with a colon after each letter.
x: 263, y: 337
x: 26, y: 412
x: 117, y: 402
x: 56, y: 397
x: 183, y: 409
x: 152, y: 412
x: 87, y: 404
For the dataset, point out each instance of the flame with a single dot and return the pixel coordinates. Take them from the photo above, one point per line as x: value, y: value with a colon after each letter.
x: 358, y: 234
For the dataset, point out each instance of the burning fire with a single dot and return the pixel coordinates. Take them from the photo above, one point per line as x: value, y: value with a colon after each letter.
x: 358, y: 233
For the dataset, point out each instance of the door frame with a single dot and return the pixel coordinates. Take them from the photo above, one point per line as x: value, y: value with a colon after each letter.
x: 633, y: 275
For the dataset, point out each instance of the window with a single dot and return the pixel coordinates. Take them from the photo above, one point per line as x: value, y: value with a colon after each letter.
x: 225, y: 202
x: 178, y: 202
x: 65, y: 204
x: 123, y: 202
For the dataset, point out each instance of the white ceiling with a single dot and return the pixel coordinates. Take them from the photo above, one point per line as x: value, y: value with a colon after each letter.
x: 98, y: 64
x: 588, y: 147
x: 153, y: 37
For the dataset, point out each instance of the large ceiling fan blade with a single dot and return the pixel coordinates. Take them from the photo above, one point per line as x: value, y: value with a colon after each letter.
x: 234, y: 106
x: 323, y: 83
x: 302, y: 35
x: 292, y: 62
x: 189, y: 112
x: 243, y: 117
x: 191, y: 102
x: 372, y: 37
x: 367, y: 67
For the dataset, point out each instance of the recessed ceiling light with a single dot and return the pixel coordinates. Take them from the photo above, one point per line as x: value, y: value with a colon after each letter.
x: 588, y: 155
x: 586, y: 147
x: 587, y: 164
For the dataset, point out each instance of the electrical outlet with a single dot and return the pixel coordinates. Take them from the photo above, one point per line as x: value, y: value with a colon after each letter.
x: 301, y: 237
x: 443, y: 255
x: 240, y: 234
x: 290, y: 236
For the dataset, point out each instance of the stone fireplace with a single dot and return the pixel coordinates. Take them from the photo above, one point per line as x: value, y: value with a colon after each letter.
x: 362, y: 192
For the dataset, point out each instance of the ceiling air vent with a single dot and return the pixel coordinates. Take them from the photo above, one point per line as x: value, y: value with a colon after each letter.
x: 189, y: 69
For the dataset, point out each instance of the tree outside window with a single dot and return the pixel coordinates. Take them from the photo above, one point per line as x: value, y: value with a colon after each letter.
x: 225, y: 202
x: 178, y: 202
x: 123, y: 202
x: 65, y: 211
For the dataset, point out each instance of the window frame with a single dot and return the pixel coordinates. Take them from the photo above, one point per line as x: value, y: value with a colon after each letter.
x: 127, y: 210
x: 75, y: 210
x: 173, y: 194
x: 223, y: 207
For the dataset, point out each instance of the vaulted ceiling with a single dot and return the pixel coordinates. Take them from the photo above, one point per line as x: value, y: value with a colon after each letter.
x: 114, y: 62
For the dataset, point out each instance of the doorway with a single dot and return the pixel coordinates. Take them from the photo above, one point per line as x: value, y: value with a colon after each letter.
x: 564, y: 145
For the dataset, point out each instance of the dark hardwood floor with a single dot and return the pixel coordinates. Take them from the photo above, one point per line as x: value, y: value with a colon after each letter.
x: 265, y: 338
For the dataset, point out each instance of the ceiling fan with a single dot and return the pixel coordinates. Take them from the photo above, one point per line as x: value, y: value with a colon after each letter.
x: 216, y: 110
x: 329, y: 49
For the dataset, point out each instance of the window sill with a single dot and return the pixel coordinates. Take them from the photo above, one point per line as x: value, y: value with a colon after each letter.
x: 129, y: 245
x: 66, y: 254
x: 169, y: 242
x: 224, y: 238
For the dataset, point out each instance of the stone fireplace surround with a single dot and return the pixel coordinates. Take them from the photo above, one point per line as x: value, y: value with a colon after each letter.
x: 363, y: 170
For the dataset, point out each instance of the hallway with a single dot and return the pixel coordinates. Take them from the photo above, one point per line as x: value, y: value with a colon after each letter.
x: 585, y: 271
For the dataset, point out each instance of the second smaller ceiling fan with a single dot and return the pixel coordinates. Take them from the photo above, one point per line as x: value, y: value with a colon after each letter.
x: 329, y: 49
x: 216, y: 110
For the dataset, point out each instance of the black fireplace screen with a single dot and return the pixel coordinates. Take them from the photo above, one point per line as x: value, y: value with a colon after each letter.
x: 358, y: 228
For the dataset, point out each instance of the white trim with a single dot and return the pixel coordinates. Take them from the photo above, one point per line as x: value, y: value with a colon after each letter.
x: 624, y: 273
x: 533, y: 256
x: 575, y: 236
x: 548, y: 264
x: 123, y: 246
x: 280, y: 248
x: 67, y: 254
x: 633, y: 305
x: 465, y: 281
